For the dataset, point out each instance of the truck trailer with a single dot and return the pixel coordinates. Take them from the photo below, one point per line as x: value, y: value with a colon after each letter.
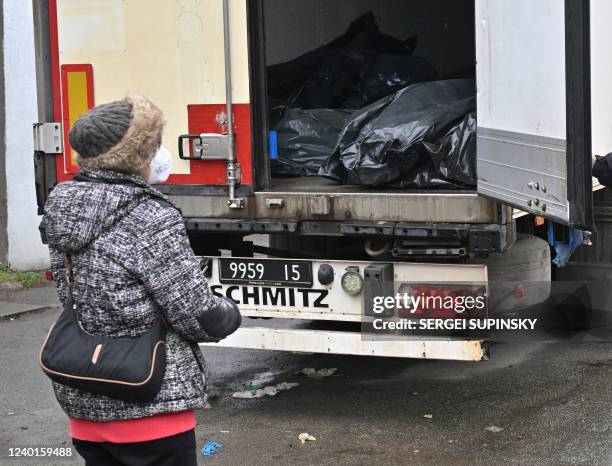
x: 322, y: 248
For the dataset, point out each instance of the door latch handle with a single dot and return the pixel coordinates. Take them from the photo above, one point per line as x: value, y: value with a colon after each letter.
x: 204, y: 146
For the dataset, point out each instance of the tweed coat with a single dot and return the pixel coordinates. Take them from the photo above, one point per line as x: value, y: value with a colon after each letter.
x: 132, y: 262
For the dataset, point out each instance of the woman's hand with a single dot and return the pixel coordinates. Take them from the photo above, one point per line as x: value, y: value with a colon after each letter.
x: 221, y: 320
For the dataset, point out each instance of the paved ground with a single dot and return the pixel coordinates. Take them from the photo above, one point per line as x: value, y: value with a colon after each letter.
x: 15, y: 300
x: 551, y: 398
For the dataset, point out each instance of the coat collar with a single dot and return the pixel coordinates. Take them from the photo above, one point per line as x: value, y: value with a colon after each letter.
x: 114, y: 177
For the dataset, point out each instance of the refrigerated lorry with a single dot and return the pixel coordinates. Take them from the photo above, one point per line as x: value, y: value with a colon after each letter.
x: 324, y: 249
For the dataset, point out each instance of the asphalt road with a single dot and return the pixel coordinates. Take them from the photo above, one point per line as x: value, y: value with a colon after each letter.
x: 546, y: 402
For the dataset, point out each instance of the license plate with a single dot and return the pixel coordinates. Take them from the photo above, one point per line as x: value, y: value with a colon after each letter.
x: 269, y: 272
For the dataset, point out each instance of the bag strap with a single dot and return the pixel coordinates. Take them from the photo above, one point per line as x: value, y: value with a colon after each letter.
x: 69, y: 274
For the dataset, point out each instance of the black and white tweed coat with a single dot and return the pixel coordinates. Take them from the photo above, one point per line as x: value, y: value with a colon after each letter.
x: 131, y: 261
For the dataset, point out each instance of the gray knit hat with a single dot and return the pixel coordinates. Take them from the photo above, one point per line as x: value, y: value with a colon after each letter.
x: 121, y: 136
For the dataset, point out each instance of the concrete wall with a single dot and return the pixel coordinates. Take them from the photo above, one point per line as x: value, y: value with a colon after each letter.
x: 20, y: 229
x: 3, y: 225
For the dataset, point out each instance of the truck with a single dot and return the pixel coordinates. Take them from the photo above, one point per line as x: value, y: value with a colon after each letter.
x: 304, y: 256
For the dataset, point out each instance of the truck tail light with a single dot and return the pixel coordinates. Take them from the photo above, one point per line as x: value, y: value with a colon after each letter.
x: 352, y: 283
x: 443, y: 301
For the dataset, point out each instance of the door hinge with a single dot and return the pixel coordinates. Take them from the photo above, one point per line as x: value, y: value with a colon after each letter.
x: 48, y: 138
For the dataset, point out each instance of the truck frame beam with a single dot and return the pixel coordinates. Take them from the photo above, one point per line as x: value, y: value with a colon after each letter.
x: 427, y: 207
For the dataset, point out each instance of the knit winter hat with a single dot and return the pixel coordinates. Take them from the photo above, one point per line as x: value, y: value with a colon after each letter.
x: 121, y: 136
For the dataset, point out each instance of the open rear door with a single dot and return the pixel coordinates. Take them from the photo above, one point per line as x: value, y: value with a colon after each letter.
x: 534, y: 106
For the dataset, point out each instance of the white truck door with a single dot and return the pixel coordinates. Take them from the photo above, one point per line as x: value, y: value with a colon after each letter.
x: 173, y: 53
x: 534, y: 106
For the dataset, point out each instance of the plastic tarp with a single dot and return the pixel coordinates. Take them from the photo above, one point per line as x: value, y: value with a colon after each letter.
x: 390, y: 73
x: 306, y: 139
x: 332, y: 76
x: 421, y: 136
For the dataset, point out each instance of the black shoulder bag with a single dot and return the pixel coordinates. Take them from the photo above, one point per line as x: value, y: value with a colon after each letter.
x: 129, y: 369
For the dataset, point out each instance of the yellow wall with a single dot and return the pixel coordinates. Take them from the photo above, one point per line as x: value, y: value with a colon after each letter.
x: 169, y: 50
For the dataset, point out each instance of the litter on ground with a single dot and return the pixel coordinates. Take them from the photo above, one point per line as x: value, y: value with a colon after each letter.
x: 213, y: 392
x: 494, y: 429
x: 317, y: 374
x: 209, y: 448
x: 240, y: 387
x: 305, y: 437
x: 270, y: 390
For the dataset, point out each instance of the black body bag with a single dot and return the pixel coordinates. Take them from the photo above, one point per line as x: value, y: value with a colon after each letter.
x: 129, y: 369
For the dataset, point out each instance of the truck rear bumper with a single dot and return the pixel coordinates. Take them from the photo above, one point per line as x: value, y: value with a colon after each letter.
x: 330, y: 302
x: 336, y: 342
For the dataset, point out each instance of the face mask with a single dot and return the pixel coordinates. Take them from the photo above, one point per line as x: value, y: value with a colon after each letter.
x: 160, y: 166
